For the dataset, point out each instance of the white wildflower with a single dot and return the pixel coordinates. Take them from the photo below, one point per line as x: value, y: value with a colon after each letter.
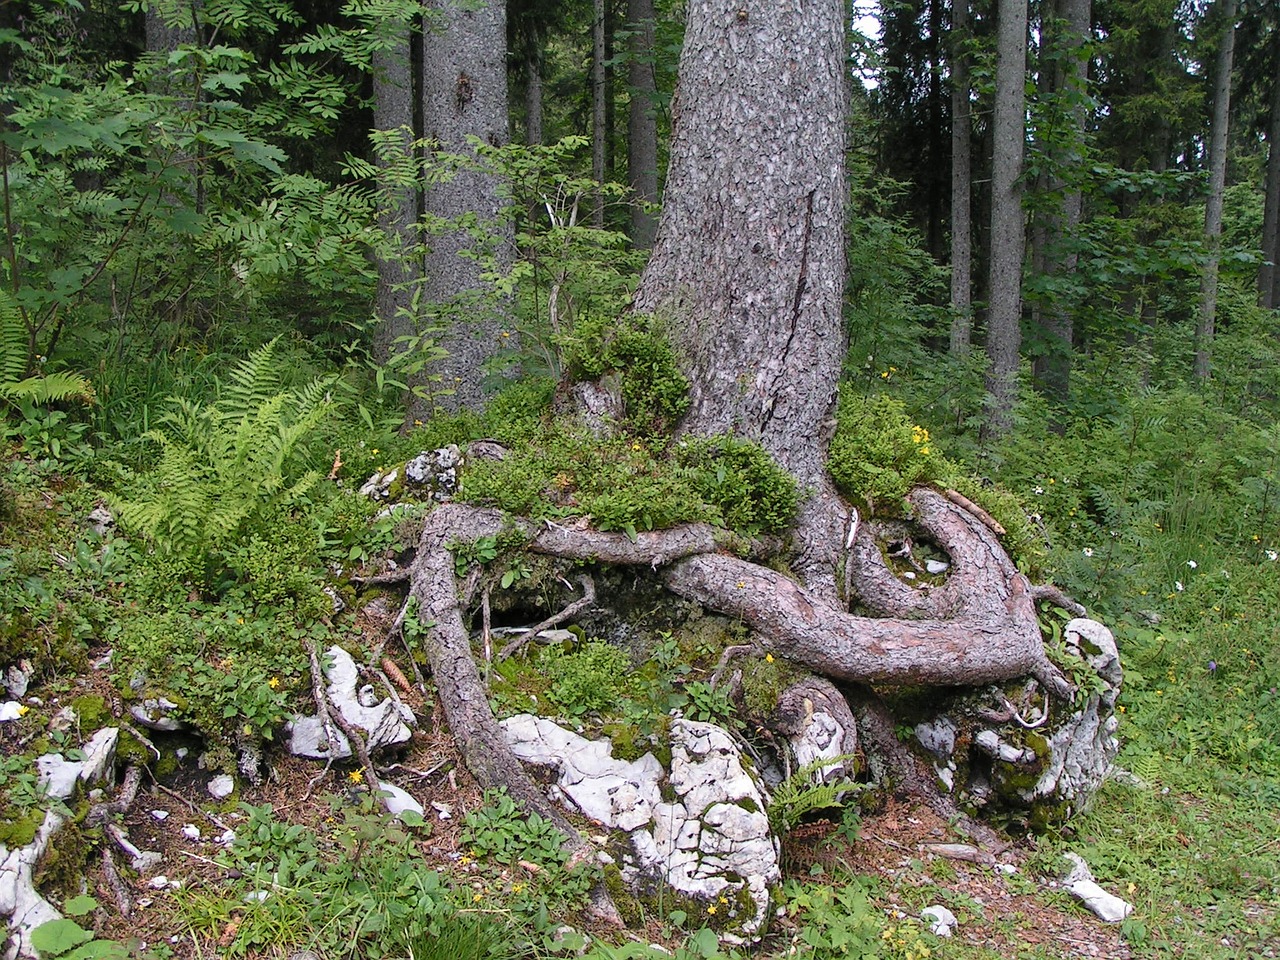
x: 1192, y: 564
x: 1272, y: 555
x: 1178, y: 585
x: 1087, y: 551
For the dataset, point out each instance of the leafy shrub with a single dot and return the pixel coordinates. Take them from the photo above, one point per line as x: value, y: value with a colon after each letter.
x: 751, y: 492
x: 589, y: 679
x: 655, y: 394
x: 877, y: 454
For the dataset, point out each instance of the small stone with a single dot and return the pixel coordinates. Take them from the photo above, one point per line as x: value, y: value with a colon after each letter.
x: 444, y: 810
x: 158, y: 882
x: 222, y: 786
x: 191, y: 831
x: 1008, y: 869
x: 181, y: 753
x: 160, y: 814
x: 256, y: 896
x: 17, y: 678
x: 936, y: 567
x: 154, y: 712
x: 10, y: 710
x: 398, y: 801
x: 100, y: 520
x: 146, y: 861
x: 941, y: 920
x: 226, y: 838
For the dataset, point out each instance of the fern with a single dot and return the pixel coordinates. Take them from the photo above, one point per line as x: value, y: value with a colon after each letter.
x: 228, y: 468
x: 805, y: 791
x: 15, y: 385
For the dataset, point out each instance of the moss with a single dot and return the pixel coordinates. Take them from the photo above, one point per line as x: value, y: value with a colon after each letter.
x: 62, y: 868
x: 630, y: 907
x: 92, y: 711
x: 763, y: 683
x: 20, y: 829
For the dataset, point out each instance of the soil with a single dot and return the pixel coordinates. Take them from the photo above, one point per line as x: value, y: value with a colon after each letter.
x: 1008, y: 915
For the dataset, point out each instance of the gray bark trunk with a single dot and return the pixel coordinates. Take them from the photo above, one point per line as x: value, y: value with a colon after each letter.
x: 393, y: 110
x: 1071, y: 28
x: 533, y: 96
x: 642, y: 124
x: 961, y: 185
x: 1004, y: 313
x: 164, y: 38
x: 1268, y: 273
x: 598, y: 110
x: 464, y: 94
x: 1217, y: 185
x: 748, y: 265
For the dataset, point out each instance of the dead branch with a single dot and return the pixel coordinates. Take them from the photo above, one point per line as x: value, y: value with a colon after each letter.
x: 1056, y: 596
x: 960, y: 500
x: 572, y: 610
x: 336, y: 718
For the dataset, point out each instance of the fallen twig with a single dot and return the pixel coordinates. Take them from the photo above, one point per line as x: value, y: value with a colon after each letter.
x: 572, y: 610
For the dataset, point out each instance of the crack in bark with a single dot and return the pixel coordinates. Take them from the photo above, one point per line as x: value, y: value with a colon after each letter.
x: 802, y: 283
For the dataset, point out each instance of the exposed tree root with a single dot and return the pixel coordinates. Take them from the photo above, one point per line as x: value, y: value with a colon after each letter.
x: 978, y: 626
x: 584, y: 602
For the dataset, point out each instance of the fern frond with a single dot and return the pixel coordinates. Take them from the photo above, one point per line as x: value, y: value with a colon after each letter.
x: 252, y: 382
x: 50, y: 388
x: 13, y: 342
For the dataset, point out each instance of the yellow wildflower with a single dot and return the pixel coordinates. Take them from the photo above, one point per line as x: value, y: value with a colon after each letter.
x: 356, y: 776
x: 711, y: 909
x: 476, y: 898
x: 274, y: 683
x: 768, y: 658
x: 23, y: 710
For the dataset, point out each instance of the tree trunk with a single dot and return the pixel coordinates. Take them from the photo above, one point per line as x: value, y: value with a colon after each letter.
x: 1226, y: 9
x: 464, y: 94
x: 533, y: 95
x: 642, y: 123
x: 1004, y: 313
x: 1268, y: 273
x: 398, y: 216
x: 1065, y: 35
x: 748, y: 265
x: 599, y: 133
x: 961, y: 185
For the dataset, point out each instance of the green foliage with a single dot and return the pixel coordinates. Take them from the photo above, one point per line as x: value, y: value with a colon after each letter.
x: 588, y: 679
x: 709, y: 704
x: 501, y: 831
x: 838, y: 921
x: 878, y: 454
x: 67, y: 940
x: 751, y: 492
x: 807, y: 790
x: 227, y: 469
x: 635, y: 349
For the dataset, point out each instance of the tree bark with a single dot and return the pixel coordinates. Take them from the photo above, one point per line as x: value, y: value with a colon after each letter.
x: 1065, y: 34
x: 748, y: 266
x: 1004, y: 313
x: 464, y: 94
x: 533, y: 95
x: 599, y: 133
x: 1268, y: 272
x: 961, y: 185
x: 1226, y: 9
x: 398, y: 216
x: 642, y: 123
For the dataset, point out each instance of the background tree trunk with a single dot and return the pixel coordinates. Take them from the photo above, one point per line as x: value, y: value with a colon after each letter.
x: 1226, y: 10
x: 599, y: 118
x: 1004, y: 313
x: 642, y: 123
x: 961, y: 184
x: 1268, y: 273
x: 393, y: 110
x: 1068, y: 28
x: 748, y: 266
x: 464, y: 94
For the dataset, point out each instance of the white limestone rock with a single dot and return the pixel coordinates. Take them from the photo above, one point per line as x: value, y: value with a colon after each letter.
x: 1081, y: 885
x: 385, y: 722
x: 711, y: 844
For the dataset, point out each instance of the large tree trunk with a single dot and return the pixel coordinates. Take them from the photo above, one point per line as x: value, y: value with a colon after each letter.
x: 642, y: 123
x: 398, y: 216
x: 748, y: 266
x: 1268, y: 273
x: 1004, y: 313
x: 961, y: 185
x: 464, y: 94
x: 1226, y: 9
